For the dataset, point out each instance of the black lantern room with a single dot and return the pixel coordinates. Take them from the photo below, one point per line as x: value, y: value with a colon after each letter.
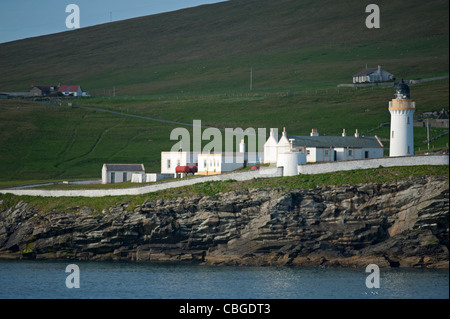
x: 401, y: 90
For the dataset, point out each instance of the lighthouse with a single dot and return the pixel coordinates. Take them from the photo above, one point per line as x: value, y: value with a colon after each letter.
x: 402, y: 109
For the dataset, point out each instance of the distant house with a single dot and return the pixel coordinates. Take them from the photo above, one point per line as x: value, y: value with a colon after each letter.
x: 72, y: 90
x: 118, y: 173
x: 369, y: 75
x: 42, y: 90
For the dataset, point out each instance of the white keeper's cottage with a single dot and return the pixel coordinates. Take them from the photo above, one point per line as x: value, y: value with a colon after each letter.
x: 323, y: 148
x: 369, y: 75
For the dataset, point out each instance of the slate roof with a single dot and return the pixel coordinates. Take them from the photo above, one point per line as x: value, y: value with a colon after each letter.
x: 365, y: 71
x: 125, y: 167
x: 335, y: 141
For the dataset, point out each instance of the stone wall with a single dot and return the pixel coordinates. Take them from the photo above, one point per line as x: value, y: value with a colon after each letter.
x: 239, y: 176
x: 373, y: 163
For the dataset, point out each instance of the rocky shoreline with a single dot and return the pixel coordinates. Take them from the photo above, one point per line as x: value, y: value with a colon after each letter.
x: 396, y: 224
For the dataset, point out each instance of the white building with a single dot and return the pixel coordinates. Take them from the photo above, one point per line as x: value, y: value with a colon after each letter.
x: 118, y: 173
x: 324, y: 148
x: 181, y: 163
x: 211, y: 164
x: 72, y: 90
x: 170, y: 160
x: 402, y: 110
x: 372, y: 75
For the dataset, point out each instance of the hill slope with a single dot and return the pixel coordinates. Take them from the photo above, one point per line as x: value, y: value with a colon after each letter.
x: 289, y: 43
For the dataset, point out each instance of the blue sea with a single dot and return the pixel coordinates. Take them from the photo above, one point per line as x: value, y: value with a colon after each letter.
x: 132, y: 280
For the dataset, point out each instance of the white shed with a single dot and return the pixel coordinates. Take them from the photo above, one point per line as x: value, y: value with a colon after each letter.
x: 118, y: 173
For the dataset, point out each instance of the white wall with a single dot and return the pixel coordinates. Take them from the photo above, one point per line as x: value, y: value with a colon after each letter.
x: 239, y: 176
x: 320, y: 168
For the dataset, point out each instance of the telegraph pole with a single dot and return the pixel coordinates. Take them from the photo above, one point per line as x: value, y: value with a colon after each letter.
x: 428, y: 135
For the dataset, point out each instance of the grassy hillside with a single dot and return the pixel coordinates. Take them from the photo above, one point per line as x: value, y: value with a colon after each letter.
x: 289, y: 43
x: 195, y: 64
x: 41, y: 142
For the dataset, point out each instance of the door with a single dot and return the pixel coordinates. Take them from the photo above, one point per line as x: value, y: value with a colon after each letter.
x: 113, y: 178
x: 366, y: 154
x: 124, y: 179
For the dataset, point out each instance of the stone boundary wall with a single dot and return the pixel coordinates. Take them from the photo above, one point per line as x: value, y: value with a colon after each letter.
x: 239, y: 176
x: 373, y: 163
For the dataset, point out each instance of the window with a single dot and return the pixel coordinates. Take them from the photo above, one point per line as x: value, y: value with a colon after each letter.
x: 168, y: 163
x: 350, y: 152
x: 325, y: 152
x: 308, y: 152
x: 409, y: 150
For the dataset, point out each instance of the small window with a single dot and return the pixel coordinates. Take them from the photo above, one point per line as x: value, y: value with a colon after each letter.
x: 308, y: 152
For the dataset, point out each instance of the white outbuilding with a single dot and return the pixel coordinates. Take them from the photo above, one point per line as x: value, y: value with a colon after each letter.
x: 118, y: 173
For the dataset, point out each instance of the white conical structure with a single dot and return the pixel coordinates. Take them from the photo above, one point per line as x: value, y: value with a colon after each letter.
x: 270, y: 148
x: 284, y: 145
x: 402, y: 110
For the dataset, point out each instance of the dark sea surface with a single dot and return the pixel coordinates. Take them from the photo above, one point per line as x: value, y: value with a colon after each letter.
x: 130, y: 280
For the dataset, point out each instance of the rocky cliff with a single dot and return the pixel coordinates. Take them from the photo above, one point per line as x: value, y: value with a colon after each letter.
x: 402, y: 223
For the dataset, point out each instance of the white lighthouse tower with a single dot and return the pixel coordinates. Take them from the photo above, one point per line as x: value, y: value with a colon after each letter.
x: 402, y: 109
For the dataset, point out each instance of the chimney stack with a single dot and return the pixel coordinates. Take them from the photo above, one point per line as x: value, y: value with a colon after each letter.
x: 343, y: 133
x: 356, y: 133
x: 314, y: 132
x: 242, y: 146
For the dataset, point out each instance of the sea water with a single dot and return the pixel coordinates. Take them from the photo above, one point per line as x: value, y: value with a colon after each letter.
x: 129, y: 280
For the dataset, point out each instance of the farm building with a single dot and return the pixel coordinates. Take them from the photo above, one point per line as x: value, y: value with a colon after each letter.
x: 118, y: 173
x: 71, y: 90
x: 42, y: 90
x: 323, y: 148
x: 369, y: 75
